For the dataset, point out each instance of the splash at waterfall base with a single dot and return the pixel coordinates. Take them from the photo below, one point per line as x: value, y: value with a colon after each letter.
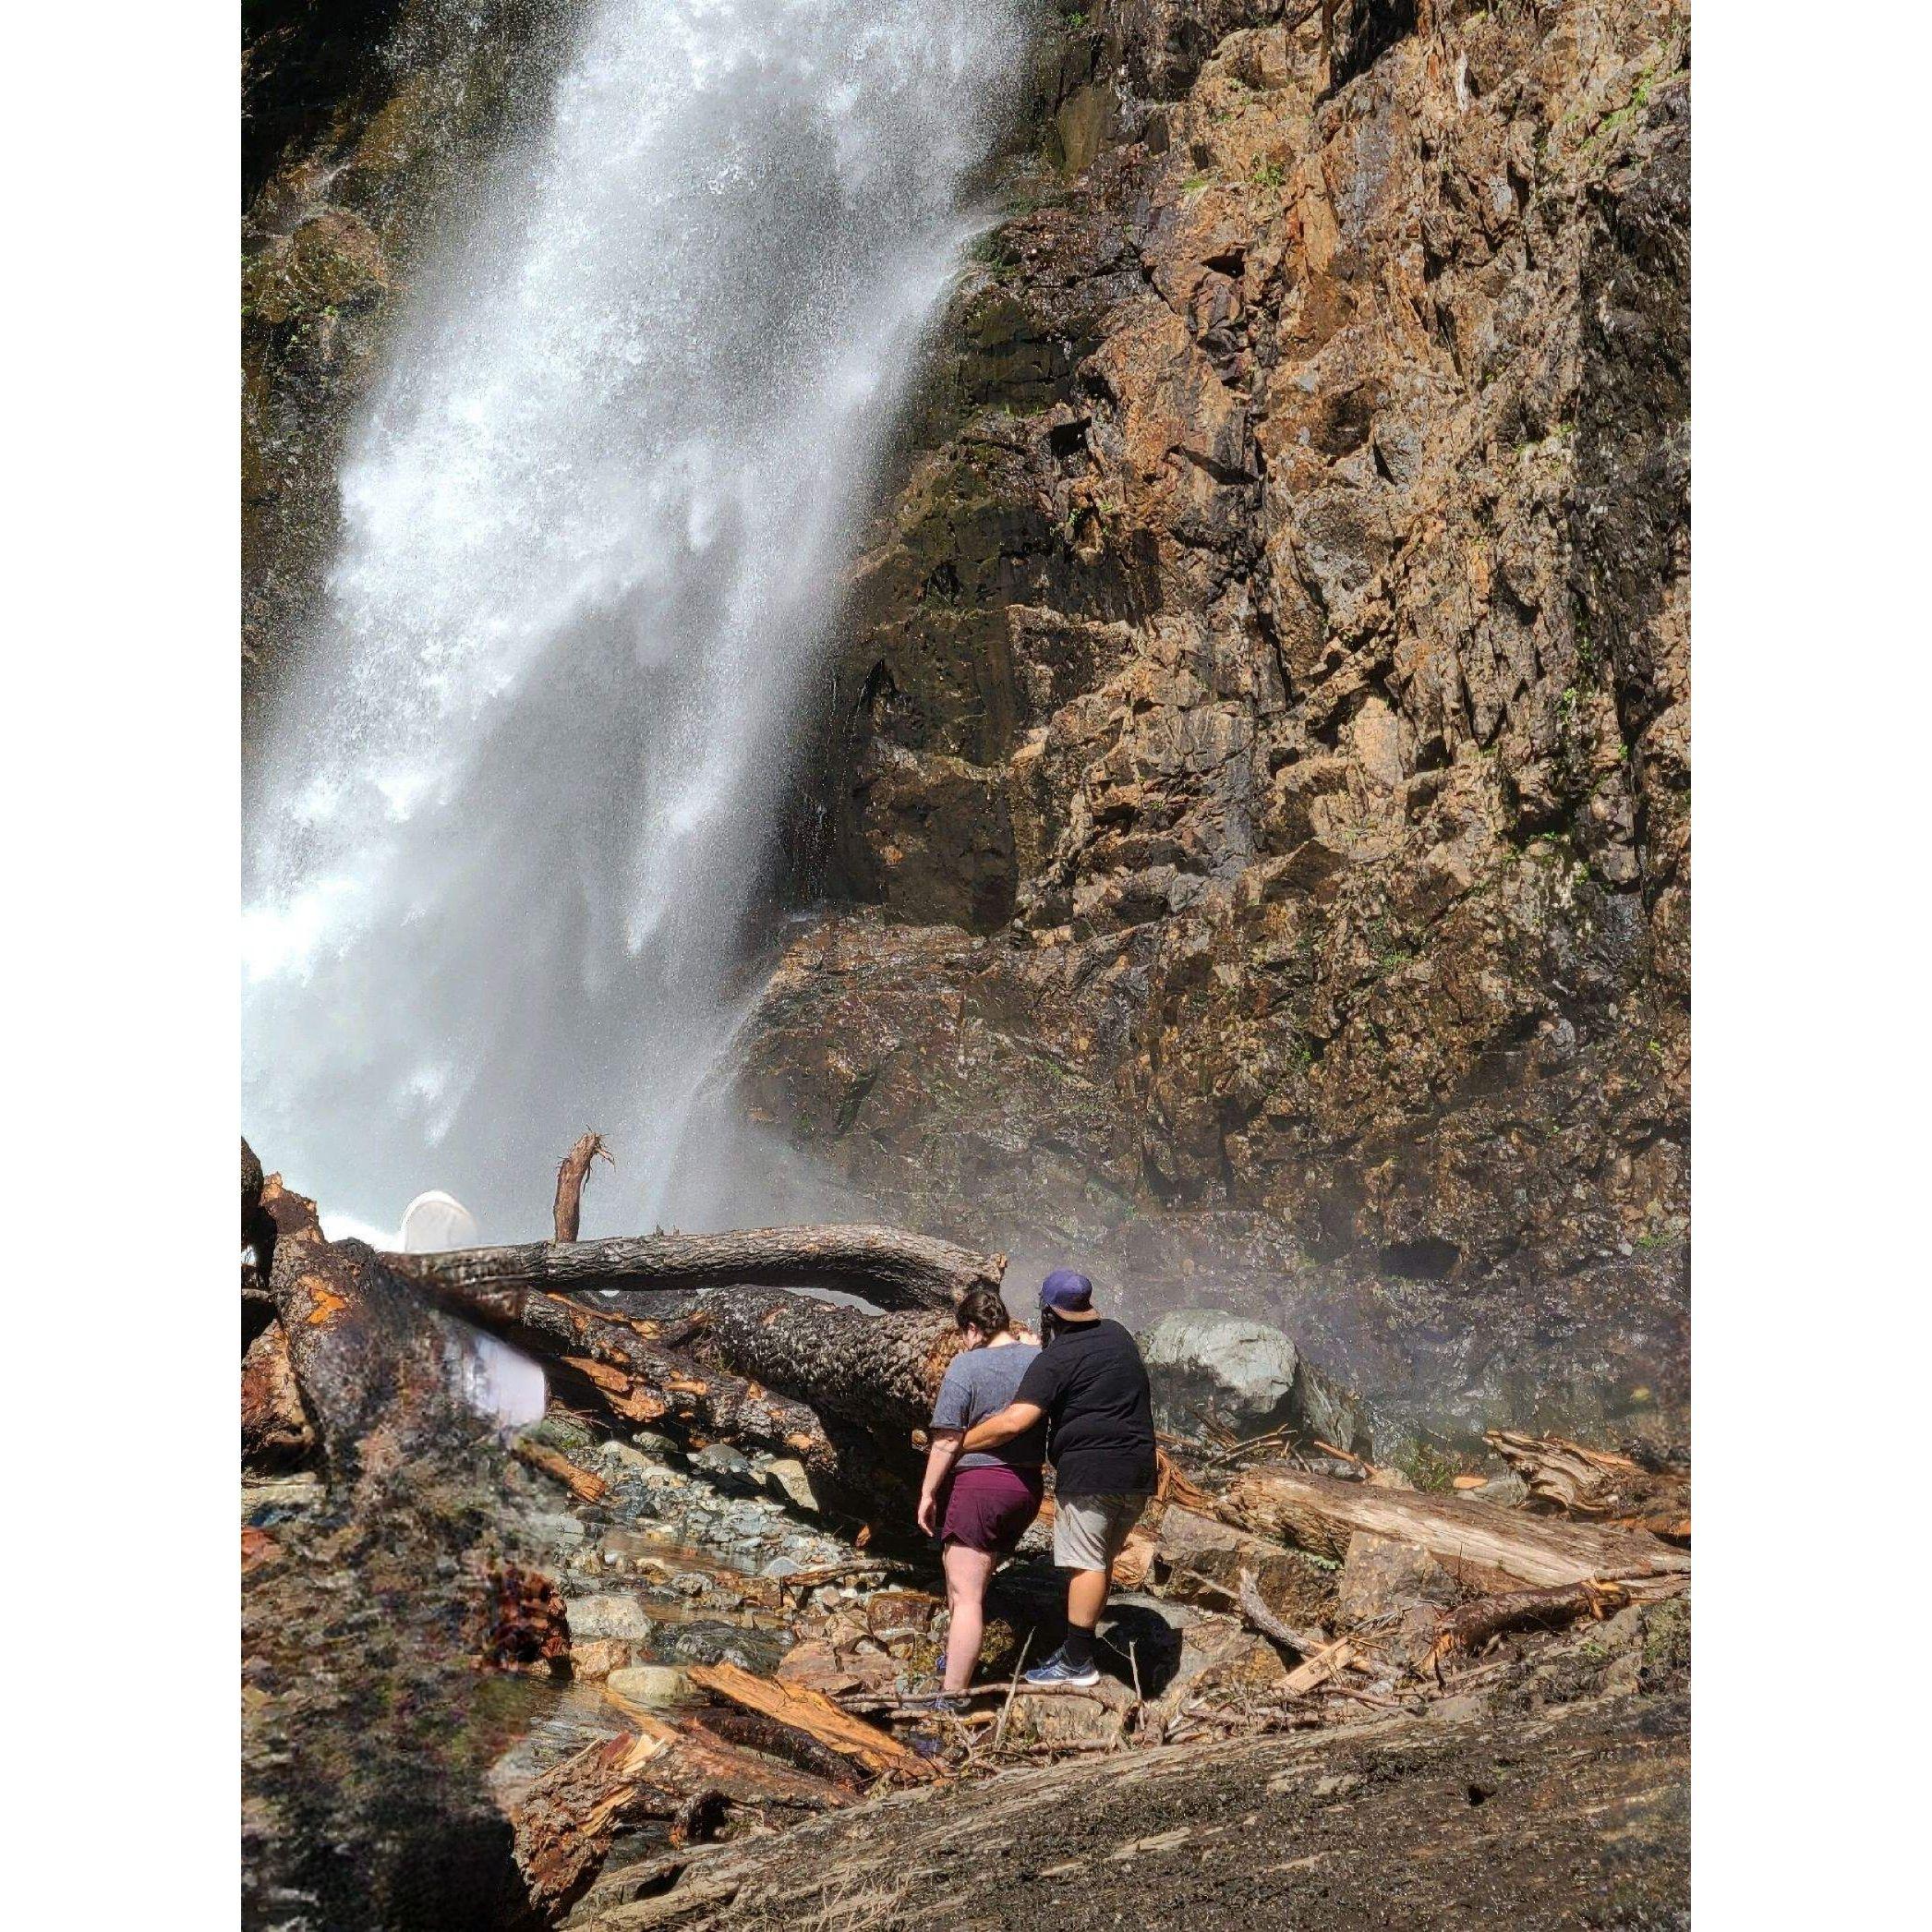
x: 583, y: 1676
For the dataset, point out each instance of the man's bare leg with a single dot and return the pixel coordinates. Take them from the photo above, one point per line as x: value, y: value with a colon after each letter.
x: 1086, y: 1598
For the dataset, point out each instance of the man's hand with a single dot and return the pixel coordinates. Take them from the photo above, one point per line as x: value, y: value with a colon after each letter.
x: 929, y: 1513
x: 1015, y: 1419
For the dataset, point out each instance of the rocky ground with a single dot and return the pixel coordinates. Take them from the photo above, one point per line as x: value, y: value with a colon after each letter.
x: 450, y: 1628
x: 1548, y: 1786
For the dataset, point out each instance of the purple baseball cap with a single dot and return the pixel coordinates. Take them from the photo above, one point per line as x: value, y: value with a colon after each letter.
x: 1065, y: 1289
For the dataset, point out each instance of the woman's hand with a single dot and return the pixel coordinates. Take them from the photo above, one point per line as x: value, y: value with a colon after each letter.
x: 929, y: 1513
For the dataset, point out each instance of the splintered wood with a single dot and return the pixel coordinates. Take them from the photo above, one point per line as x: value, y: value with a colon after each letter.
x: 572, y: 1172
x: 564, y: 1822
x: 814, y: 1714
x: 1598, y: 1483
x: 1469, y: 1627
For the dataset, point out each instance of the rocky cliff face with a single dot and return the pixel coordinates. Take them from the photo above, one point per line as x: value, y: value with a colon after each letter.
x: 362, y: 121
x: 1258, y: 781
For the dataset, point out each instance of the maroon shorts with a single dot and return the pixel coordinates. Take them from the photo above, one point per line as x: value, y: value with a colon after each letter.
x: 989, y: 1507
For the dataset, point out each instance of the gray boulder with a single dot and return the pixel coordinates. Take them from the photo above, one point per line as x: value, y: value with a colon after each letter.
x: 1212, y: 1370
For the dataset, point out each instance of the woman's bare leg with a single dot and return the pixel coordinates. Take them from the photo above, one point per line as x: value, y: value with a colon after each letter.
x: 967, y: 1572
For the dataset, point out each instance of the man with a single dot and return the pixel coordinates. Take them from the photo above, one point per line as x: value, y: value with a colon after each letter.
x: 1090, y: 1385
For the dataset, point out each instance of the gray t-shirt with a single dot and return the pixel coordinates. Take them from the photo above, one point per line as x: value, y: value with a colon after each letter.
x: 980, y: 1382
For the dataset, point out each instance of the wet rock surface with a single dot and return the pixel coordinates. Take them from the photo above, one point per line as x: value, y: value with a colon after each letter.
x: 1257, y: 773
x: 361, y: 123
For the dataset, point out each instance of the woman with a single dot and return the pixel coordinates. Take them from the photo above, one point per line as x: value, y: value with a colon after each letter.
x: 994, y: 1494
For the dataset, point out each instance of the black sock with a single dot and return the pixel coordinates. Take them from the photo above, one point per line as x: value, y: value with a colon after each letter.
x: 1078, y: 1649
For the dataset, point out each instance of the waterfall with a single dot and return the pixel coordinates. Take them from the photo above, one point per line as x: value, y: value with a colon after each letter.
x: 520, y: 807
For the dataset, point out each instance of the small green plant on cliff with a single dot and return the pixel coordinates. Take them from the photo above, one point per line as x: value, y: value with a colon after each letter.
x: 1075, y: 19
x: 1196, y: 184
x: 1428, y: 1469
x: 1267, y: 174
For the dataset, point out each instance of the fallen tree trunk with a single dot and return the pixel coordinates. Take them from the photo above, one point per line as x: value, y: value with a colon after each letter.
x: 1577, y: 1481
x: 622, y: 1365
x: 369, y: 1362
x: 875, y: 1374
x: 886, y: 1266
x: 1484, y: 1547
x: 837, y: 1387
x: 755, y: 1732
x: 1473, y: 1625
x: 276, y: 1432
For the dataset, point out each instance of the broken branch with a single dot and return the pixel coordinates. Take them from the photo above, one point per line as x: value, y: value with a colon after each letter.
x: 573, y: 1171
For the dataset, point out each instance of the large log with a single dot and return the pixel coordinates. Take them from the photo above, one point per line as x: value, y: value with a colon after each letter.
x: 841, y: 1388
x: 877, y: 1374
x: 371, y: 1362
x: 1484, y: 1547
x: 1471, y: 1625
x: 813, y: 1713
x: 620, y: 1363
x: 886, y: 1266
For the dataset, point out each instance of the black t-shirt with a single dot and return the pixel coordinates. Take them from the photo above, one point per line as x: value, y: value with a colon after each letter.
x: 1092, y: 1384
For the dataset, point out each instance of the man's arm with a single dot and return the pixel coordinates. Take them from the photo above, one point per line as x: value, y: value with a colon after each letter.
x: 1015, y: 1419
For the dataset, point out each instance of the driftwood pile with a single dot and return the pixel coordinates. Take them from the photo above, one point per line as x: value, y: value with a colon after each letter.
x: 703, y: 1338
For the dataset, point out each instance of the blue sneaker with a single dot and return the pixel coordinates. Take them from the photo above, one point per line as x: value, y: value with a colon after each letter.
x: 1058, y: 1669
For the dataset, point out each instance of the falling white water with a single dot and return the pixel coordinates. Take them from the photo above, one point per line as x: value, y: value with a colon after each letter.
x: 519, y: 811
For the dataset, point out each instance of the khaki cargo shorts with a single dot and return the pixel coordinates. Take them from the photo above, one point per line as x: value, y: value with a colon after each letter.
x: 1089, y: 1530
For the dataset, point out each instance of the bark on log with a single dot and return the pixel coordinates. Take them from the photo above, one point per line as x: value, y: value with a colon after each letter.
x: 275, y: 1429
x: 754, y: 1731
x: 575, y: 1170
x: 841, y: 1388
x: 1597, y: 1483
x: 873, y: 1374
x: 622, y: 1364
x: 371, y: 1365
x: 1473, y: 1625
x: 886, y: 1266
x: 1482, y: 1546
